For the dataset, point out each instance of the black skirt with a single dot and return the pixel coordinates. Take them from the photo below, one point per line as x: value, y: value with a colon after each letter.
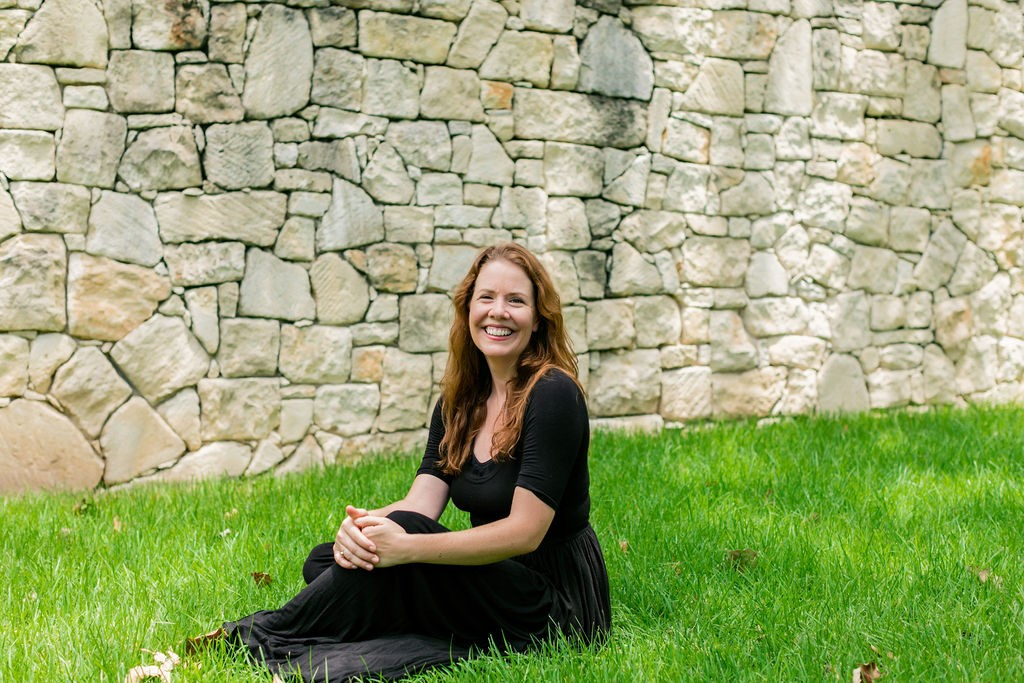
x: 401, y: 620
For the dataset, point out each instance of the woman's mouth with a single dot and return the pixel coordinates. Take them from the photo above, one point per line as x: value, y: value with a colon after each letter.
x: 497, y: 331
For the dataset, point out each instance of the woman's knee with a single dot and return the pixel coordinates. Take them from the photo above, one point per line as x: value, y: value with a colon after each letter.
x: 321, y: 557
x: 415, y: 522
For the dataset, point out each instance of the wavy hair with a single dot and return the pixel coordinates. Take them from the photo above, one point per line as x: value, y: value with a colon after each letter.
x: 467, y: 379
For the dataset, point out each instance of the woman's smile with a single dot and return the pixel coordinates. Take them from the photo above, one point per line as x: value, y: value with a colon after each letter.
x: 502, y: 317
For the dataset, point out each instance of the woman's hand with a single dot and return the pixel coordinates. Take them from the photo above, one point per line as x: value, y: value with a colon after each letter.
x: 388, y: 538
x: 352, y: 548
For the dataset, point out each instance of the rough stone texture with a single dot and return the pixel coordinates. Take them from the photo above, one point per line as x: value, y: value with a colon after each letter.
x: 29, y: 98
x: 107, y: 299
x: 272, y: 288
x: 841, y: 385
x: 755, y: 392
x: 404, y: 391
x: 161, y: 357
x: 140, y: 82
x: 27, y: 155
x: 181, y: 412
x: 239, y: 409
x: 218, y: 459
x: 790, y: 78
x: 351, y: 221
x: 89, y: 389
x: 258, y: 211
x: 625, y: 383
x: 424, y: 321
x: 161, y: 159
x: 205, y: 263
x: 248, y: 347
x: 318, y: 354
x: 279, y: 64
x: 382, y: 34
x: 571, y: 117
x: 51, y: 207
x: 174, y: 25
x: 346, y: 409
x: 135, y: 440
x: 90, y: 147
x: 124, y: 227
x: 342, y: 295
x: 14, y: 359
x: 33, y: 283
x: 41, y: 449
x: 451, y: 94
x: 253, y: 218
x: 239, y: 155
x: 477, y: 34
x: 66, y: 32
x: 613, y: 62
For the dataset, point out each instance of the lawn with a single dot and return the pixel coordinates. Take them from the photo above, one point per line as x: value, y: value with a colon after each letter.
x: 792, y: 551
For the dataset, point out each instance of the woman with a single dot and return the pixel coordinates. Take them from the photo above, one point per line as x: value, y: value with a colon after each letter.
x: 397, y: 592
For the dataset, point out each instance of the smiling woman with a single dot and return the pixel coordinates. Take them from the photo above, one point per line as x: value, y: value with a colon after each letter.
x: 397, y: 592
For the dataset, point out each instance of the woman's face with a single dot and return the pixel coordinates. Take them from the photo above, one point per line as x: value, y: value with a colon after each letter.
x: 502, y: 316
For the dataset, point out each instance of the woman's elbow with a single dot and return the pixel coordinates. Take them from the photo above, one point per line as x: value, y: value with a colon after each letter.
x: 531, y: 542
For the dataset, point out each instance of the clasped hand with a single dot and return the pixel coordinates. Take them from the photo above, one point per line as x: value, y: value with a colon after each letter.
x: 365, y: 541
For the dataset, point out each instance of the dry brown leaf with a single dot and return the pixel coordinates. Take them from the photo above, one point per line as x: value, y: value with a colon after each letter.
x: 117, y: 524
x: 262, y: 578
x: 866, y: 673
x: 624, y: 546
x: 741, y: 560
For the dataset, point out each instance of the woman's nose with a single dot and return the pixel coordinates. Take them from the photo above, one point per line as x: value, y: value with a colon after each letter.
x: 498, y: 309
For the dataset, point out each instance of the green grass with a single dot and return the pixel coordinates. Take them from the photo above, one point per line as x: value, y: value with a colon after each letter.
x: 870, y: 534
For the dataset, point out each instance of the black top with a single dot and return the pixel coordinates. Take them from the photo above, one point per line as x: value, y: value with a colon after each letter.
x: 550, y: 460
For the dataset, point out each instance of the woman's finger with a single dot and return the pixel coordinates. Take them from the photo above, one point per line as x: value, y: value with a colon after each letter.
x: 353, y: 530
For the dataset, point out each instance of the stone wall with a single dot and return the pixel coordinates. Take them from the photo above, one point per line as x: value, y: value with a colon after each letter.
x: 228, y: 230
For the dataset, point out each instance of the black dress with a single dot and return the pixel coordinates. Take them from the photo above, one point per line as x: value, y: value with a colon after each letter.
x: 400, y: 620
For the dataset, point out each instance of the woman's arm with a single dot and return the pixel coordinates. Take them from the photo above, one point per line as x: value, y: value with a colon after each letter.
x: 428, y: 496
x: 519, y: 533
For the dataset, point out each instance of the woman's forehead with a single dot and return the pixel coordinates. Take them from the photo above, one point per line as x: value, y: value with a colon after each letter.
x: 503, y: 274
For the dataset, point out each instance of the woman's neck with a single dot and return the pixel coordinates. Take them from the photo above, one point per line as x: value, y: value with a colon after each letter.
x: 501, y: 375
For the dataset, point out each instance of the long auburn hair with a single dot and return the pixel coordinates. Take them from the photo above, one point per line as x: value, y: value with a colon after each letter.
x: 467, y: 379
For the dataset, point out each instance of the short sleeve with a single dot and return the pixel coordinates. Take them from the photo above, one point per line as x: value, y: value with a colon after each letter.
x: 554, y: 434
x: 431, y: 454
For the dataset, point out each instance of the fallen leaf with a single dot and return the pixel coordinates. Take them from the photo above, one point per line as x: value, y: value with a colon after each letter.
x: 624, y: 546
x: 742, y: 560
x: 261, y: 578
x: 875, y: 649
x: 165, y: 663
x: 145, y: 671
x: 866, y: 673
x: 117, y: 524
x: 984, y: 575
